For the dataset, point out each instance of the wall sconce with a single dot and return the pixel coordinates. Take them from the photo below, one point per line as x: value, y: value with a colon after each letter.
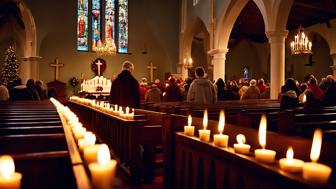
x: 187, y: 64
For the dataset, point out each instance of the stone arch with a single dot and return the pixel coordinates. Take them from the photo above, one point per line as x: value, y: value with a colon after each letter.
x: 195, y: 28
x: 29, y: 66
x: 229, y: 17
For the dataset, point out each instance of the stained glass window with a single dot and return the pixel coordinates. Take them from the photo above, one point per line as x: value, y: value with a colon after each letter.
x: 245, y: 73
x: 109, y: 22
x: 110, y: 19
x: 96, y: 26
x: 123, y: 27
x: 82, y: 25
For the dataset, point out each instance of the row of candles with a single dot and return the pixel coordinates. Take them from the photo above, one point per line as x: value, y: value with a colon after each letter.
x: 96, y: 156
x: 106, y: 107
x: 311, y: 171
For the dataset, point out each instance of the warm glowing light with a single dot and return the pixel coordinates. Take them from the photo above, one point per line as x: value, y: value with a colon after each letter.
x: 290, y: 155
x: 241, y: 139
x: 7, y: 167
x: 127, y: 110
x: 301, y: 43
x: 221, y: 123
x: 262, y: 131
x: 304, y: 99
x: 189, y: 120
x: 103, y: 154
x: 90, y: 138
x: 316, y: 146
x: 205, y: 119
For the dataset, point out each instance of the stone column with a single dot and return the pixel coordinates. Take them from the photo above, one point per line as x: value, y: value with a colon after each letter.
x: 333, y: 67
x: 277, y: 49
x: 218, y: 62
x: 29, y: 68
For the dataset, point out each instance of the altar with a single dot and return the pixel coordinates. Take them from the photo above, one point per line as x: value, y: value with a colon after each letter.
x: 98, y: 86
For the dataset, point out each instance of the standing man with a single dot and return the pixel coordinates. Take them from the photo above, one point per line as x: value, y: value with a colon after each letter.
x: 201, y: 90
x: 125, y: 90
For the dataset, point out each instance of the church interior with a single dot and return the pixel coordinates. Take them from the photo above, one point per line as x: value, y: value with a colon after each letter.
x: 233, y: 94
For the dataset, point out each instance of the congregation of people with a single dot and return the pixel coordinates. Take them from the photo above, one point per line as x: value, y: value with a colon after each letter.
x: 127, y: 91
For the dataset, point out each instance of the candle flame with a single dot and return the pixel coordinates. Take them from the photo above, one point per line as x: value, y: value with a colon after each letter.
x: 241, y: 139
x: 115, y: 107
x: 90, y: 138
x: 262, y: 131
x: 316, y: 146
x: 127, y: 110
x: 120, y: 109
x: 304, y: 99
x: 7, y: 167
x: 290, y: 154
x: 189, y: 120
x: 205, y: 119
x: 221, y: 123
x: 103, y: 154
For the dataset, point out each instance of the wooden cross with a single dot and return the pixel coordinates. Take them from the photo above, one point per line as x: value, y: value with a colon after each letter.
x: 99, y: 64
x: 151, y: 68
x: 57, y: 66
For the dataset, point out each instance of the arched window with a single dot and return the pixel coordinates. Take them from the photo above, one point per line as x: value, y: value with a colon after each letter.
x: 245, y: 73
x: 109, y: 22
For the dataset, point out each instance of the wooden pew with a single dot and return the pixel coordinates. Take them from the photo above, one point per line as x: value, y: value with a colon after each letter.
x: 190, y: 163
x: 303, y: 124
x: 132, y: 142
x: 32, y: 133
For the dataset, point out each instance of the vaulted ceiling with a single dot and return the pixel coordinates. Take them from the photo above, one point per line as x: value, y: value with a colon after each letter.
x: 250, y: 23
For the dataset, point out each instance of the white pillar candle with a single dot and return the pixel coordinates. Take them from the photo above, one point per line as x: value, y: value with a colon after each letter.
x: 90, y: 153
x: 315, y: 172
x: 204, y: 135
x: 220, y: 139
x: 263, y: 155
x: 241, y: 147
x: 103, y: 171
x: 189, y: 130
x: 9, y: 179
x: 88, y: 140
x: 291, y: 164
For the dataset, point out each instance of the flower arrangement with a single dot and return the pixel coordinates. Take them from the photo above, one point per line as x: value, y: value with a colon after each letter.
x: 74, y: 81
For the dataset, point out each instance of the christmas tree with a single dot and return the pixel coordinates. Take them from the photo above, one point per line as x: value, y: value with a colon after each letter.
x: 9, y: 72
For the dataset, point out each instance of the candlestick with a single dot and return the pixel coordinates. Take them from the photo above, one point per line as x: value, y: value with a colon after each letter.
x: 241, y: 147
x: 103, y: 171
x: 189, y: 130
x: 264, y: 155
x: 289, y: 163
x: 204, y: 135
x: 9, y: 179
x: 220, y: 139
x: 315, y: 172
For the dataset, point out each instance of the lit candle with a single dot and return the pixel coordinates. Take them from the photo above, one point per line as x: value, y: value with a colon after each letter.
x: 90, y: 153
x: 204, y: 134
x: 241, y: 147
x: 289, y: 163
x: 189, y: 130
x: 220, y: 139
x: 103, y: 171
x: 9, y: 179
x: 313, y: 171
x: 127, y: 114
x: 264, y: 155
x: 88, y: 140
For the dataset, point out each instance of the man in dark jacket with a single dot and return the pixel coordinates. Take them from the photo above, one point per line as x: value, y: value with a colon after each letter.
x: 125, y: 90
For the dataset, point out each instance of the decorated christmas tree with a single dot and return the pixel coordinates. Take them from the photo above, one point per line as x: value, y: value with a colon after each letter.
x: 9, y: 72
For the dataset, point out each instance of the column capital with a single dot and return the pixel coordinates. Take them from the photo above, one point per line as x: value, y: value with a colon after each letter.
x: 333, y: 55
x: 32, y: 58
x: 214, y: 52
x: 277, y: 36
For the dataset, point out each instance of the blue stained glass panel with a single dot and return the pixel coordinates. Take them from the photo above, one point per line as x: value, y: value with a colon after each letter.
x: 110, y: 19
x: 123, y: 27
x: 96, y: 24
x: 82, y: 25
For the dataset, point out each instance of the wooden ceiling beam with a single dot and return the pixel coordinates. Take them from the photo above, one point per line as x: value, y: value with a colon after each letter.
x: 315, y: 7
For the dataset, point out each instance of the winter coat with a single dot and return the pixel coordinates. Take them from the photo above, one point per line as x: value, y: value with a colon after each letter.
x: 202, y: 91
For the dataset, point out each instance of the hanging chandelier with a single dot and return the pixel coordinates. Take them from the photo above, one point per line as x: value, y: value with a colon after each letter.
x: 301, y: 43
x: 107, y: 48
